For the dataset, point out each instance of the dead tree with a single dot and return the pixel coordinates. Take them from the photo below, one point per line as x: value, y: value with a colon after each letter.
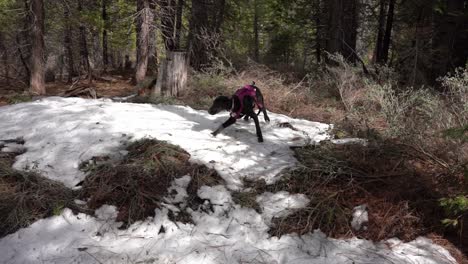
x: 172, y: 76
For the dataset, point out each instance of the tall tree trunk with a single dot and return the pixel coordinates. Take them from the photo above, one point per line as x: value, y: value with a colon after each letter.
x: 380, y: 32
x: 388, y: 31
x: 318, y: 31
x: 334, y: 8
x: 450, y: 40
x: 342, y: 24
x: 37, y: 83
x: 198, y: 24
x: 255, y: 29
x: 69, y: 44
x: 220, y: 5
x: 178, y: 23
x: 143, y: 29
x: 105, y: 18
x: 4, y: 57
x: 84, y: 45
x: 168, y: 15
x: 23, y: 58
x: 152, y: 45
x: 349, y: 28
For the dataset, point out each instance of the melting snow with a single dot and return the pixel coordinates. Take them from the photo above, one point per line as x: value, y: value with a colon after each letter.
x: 280, y: 204
x: 61, y: 133
x: 360, y: 217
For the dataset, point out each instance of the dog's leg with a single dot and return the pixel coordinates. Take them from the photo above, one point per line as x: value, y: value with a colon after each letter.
x: 257, y: 126
x: 246, y: 118
x: 263, y: 109
x: 228, y: 122
x: 267, y: 119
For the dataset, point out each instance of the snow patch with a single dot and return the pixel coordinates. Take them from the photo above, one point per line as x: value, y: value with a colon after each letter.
x: 280, y: 204
x: 60, y: 133
x: 360, y: 217
x: 237, y: 237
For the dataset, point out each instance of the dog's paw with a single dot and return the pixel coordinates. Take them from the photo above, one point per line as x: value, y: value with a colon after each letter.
x: 260, y: 139
x: 214, y: 134
x: 267, y: 119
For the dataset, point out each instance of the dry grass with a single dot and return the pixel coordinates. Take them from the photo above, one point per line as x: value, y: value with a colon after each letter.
x: 27, y: 197
x: 296, y: 99
x: 138, y: 184
x: 401, y: 202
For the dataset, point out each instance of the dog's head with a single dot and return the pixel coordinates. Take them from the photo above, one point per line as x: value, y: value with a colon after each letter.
x: 219, y: 104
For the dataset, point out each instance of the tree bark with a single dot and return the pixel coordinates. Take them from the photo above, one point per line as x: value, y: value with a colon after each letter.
x: 178, y: 23
x: 334, y: 26
x: 342, y: 24
x: 84, y: 46
x: 105, y: 18
x: 198, y: 22
x: 152, y: 45
x: 143, y: 29
x: 380, y: 32
x: 318, y: 31
x: 168, y: 16
x: 450, y: 39
x: 219, y: 15
x: 37, y: 83
x: 388, y: 31
x: 69, y: 44
x: 172, y: 75
x: 4, y: 57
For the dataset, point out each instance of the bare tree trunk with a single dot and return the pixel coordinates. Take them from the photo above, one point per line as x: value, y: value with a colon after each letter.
x: 105, y: 18
x: 143, y: 26
x: 388, y: 31
x: 349, y: 29
x: 334, y: 26
x: 23, y: 57
x: 198, y: 23
x: 178, y: 23
x: 450, y: 39
x: 318, y: 31
x: 168, y: 23
x: 4, y: 52
x: 152, y: 42
x: 255, y: 29
x: 37, y: 83
x: 84, y: 46
x: 381, y: 32
x: 69, y: 45
x: 219, y: 15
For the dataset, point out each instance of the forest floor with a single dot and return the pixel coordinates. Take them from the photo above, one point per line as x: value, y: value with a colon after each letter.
x: 253, y: 208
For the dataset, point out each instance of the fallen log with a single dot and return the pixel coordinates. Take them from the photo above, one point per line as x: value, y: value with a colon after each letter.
x: 80, y: 91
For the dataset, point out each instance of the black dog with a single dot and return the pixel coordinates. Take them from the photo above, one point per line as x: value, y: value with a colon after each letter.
x: 241, y: 104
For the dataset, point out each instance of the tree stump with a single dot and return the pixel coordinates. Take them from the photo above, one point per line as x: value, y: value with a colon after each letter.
x: 172, y: 75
